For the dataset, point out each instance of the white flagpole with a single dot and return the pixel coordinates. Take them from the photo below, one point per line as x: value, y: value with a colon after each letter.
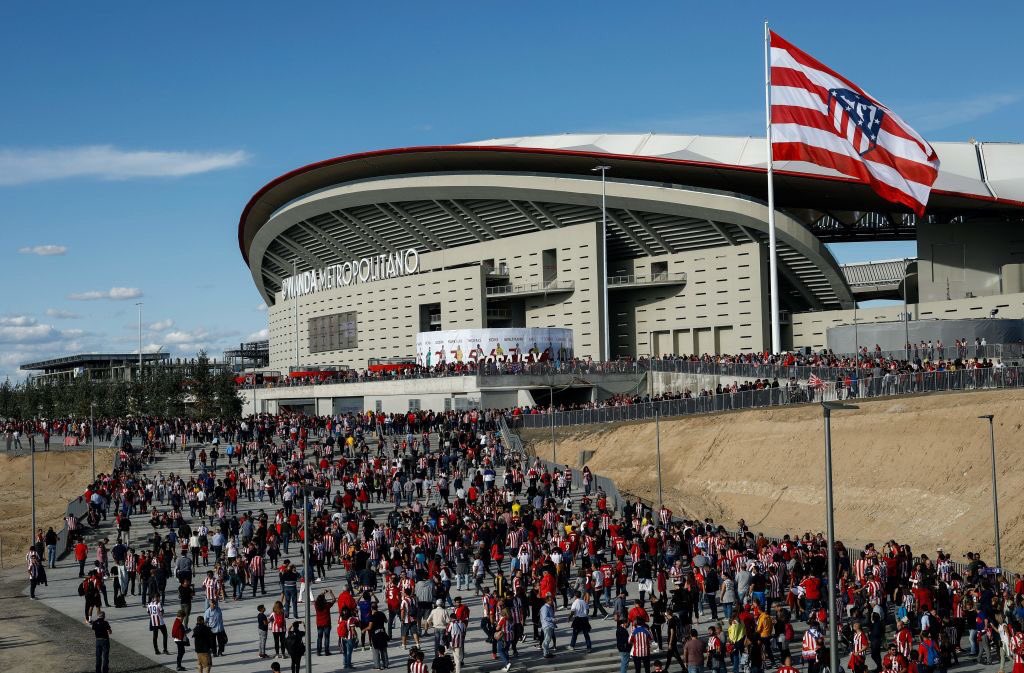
x: 773, y: 271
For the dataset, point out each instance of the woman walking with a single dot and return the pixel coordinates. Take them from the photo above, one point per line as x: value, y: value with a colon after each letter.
x: 179, y: 633
x: 277, y: 628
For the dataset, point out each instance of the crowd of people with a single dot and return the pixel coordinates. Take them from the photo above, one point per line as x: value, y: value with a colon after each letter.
x: 425, y: 534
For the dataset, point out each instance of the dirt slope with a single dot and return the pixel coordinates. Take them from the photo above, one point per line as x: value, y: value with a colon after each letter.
x: 914, y: 469
x: 60, y: 476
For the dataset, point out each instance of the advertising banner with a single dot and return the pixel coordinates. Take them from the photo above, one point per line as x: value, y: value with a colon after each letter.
x: 513, y: 344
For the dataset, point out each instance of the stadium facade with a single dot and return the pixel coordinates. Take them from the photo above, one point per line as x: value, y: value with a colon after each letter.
x: 360, y: 253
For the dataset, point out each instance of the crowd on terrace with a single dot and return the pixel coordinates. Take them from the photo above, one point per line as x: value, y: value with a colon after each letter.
x: 426, y: 534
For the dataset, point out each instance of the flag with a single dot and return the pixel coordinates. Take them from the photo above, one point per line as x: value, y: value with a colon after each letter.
x: 814, y: 382
x: 820, y: 117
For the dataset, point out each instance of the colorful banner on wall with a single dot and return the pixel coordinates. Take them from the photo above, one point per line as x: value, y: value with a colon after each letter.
x: 512, y: 344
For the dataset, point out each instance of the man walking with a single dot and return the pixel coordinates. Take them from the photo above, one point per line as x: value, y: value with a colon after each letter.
x: 101, y: 629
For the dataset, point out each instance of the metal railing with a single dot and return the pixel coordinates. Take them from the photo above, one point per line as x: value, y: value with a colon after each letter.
x: 514, y: 445
x: 653, y: 279
x: 888, y: 385
x: 531, y: 288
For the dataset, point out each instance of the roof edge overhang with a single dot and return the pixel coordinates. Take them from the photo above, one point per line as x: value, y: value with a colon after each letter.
x: 397, y: 161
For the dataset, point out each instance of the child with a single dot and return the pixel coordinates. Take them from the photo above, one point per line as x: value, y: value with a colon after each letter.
x: 262, y: 626
x: 204, y: 552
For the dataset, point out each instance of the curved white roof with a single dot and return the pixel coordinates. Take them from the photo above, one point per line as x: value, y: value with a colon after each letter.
x: 961, y: 170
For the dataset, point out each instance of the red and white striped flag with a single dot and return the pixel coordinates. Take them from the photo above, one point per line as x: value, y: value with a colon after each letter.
x: 820, y: 117
x: 814, y: 382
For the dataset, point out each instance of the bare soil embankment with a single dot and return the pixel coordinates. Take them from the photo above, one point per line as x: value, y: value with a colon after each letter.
x: 60, y: 477
x: 916, y: 469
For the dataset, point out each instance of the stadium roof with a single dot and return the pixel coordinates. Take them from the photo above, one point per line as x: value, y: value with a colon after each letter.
x: 973, y: 176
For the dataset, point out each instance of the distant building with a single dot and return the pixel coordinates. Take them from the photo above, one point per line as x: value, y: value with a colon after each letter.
x: 94, y: 366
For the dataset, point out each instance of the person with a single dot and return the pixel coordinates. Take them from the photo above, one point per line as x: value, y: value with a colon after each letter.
x: 693, y: 654
x: 787, y: 665
x: 379, y: 641
x: 579, y: 619
x: 640, y: 647
x: 416, y: 664
x: 36, y: 572
x: 179, y: 633
x: 443, y: 661
x: 547, y: 626
x: 51, y: 548
x: 262, y: 627
x: 203, y: 639
x: 278, y: 626
x: 622, y: 644
x: 156, y: 622
x: 322, y: 605
x: 101, y: 629
x: 215, y: 621
x: 457, y: 640
x: 296, y: 645
x: 81, y: 555
x: 437, y: 620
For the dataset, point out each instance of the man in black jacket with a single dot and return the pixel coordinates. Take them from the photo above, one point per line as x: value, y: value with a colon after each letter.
x: 203, y: 639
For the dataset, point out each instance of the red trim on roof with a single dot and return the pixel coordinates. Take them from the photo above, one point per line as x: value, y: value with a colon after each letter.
x: 554, y: 152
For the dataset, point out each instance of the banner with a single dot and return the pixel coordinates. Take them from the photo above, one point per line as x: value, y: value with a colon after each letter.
x: 513, y: 344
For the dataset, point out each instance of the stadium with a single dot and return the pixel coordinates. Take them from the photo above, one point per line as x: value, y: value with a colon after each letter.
x: 638, y: 245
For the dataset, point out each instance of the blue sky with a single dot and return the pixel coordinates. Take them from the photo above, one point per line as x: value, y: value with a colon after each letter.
x: 132, y: 134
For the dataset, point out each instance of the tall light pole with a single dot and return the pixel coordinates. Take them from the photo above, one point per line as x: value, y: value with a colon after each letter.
x: 906, y: 317
x: 995, y: 491
x: 657, y: 445
x: 32, y: 448
x: 92, y: 436
x: 139, y: 304
x: 307, y: 568
x: 295, y: 299
x: 551, y: 422
x: 604, y: 247
x: 833, y: 634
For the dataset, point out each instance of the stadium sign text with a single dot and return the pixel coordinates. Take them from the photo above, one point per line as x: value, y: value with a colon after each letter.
x: 365, y: 270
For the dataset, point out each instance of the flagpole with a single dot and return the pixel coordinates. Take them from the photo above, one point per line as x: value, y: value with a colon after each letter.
x: 772, y: 256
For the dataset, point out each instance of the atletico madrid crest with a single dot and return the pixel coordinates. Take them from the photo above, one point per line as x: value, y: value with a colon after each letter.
x: 856, y: 117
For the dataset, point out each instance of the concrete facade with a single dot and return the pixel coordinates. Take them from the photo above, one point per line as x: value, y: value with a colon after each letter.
x: 811, y: 329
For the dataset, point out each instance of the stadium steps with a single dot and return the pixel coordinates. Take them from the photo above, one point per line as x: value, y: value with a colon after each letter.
x: 600, y: 660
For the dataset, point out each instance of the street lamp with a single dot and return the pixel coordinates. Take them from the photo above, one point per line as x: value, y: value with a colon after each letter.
x: 307, y: 569
x: 657, y: 445
x: 906, y: 317
x: 833, y: 634
x: 995, y: 491
x: 604, y: 247
x: 92, y: 436
x: 139, y: 304
x: 551, y: 421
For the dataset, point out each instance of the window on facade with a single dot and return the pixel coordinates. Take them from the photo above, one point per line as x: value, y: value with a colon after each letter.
x: 335, y: 332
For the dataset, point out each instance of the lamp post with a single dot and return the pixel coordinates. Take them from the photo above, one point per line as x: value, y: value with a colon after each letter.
x: 833, y: 634
x: 295, y: 299
x: 551, y: 421
x: 657, y: 445
x: 139, y: 304
x: 995, y: 491
x: 906, y: 317
x: 307, y: 569
x: 32, y: 448
x: 604, y: 257
x: 92, y: 437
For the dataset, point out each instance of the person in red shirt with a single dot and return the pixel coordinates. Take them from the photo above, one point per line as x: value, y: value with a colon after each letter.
x: 812, y: 592
x: 637, y: 614
x: 81, y: 555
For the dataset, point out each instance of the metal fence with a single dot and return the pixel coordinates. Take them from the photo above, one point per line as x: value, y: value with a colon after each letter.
x: 889, y: 385
x: 617, y: 499
x: 515, y: 447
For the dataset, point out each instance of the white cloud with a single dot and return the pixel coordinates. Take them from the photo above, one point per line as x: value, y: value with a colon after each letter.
x: 17, y: 320
x: 62, y: 315
x: 261, y: 307
x: 116, y: 293
x: 71, y: 333
x: 937, y: 115
x: 181, y: 337
x: 27, y: 334
x: 149, y: 348
x: 23, y: 166
x: 259, y: 336
x: 161, y: 325
x: 43, y: 250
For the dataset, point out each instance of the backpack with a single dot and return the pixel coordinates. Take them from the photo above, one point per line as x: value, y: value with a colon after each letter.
x: 932, y: 655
